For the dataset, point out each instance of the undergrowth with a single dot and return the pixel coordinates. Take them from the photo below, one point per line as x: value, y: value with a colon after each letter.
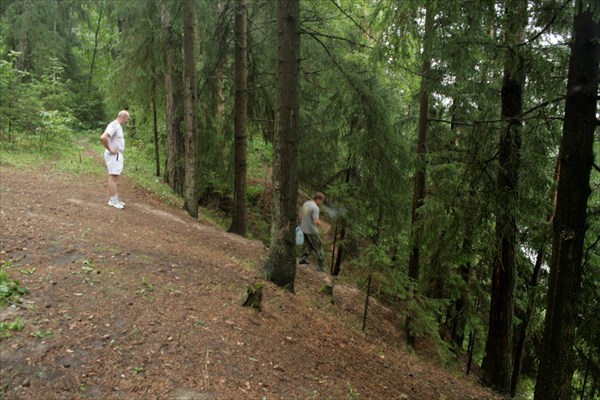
x: 10, y: 289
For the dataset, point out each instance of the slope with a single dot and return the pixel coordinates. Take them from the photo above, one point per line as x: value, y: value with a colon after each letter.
x: 142, y: 303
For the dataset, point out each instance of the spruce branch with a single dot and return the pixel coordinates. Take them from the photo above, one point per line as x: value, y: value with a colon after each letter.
x: 312, y: 33
x: 493, y: 121
x: 590, y: 247
x: 353, y: 21
x: 548, y: 25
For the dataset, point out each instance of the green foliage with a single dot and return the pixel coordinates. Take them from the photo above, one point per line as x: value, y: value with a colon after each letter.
x: 43, y: 333
x: 6, y: 328
x: 10, y: 289
x: 426, y: 312
x: 53, y: 127
x: 353, y: 394
x: 142, y: 170
x: 359, y: 108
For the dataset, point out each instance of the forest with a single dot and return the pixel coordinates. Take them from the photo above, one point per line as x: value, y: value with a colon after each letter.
x: 454, y: 140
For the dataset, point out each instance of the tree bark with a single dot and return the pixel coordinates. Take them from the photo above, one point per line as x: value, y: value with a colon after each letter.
x: 497, y: 363
x: 238, y: 224
x: 569, y: 226
x: 219, y: 77
x: 155, y: 126
x: 532, y: 301
x: 525, y: 321
x: 421, y: 167
x: 190, y: 190
x: 93, y: 63
x: 174, y: 168
x: 280, y: 266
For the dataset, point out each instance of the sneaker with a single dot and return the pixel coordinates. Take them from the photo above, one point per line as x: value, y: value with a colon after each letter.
x: 303, y: 261
x: 120, y: 201
x: 115, y: 204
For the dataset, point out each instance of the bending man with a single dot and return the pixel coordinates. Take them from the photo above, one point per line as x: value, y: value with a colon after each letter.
x: 309, y: 221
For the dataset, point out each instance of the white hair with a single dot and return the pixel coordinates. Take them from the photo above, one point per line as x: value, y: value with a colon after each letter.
x: 123, y: 113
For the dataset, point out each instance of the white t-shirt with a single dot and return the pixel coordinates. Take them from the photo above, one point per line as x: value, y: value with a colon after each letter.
x: 116, y: 136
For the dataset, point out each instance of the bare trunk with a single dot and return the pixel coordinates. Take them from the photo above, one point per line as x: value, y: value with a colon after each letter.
x: 497, y: 363
x: 280, y: 266
x: 576, y: 155
x: 93, y: 63
x: 525, y: 321
x: 190, y: 190
x: 223, y: 28
x: 238, y: 224
x: 155, y: 127
x: 532, y: 302
x: 174, y: 169
x: 419, y: 189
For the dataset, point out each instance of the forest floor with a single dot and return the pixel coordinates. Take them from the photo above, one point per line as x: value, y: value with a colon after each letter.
x: 142, y: 303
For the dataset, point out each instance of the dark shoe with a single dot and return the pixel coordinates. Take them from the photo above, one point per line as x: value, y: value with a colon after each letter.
x: 303, y: 261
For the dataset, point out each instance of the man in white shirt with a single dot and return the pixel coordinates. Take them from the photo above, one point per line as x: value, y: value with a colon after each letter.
x: 114, y: 142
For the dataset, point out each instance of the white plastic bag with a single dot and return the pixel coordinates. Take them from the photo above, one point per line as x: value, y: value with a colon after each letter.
x: 299, y: 236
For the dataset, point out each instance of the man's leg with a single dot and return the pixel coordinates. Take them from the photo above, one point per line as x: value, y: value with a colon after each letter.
x: 112, y: 185
x: 318, y: 247
x: 305, y: 251
x: 314, y: 243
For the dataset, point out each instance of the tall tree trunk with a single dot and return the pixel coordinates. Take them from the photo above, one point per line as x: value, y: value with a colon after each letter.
x: 421, y: 167
x: 219, y: 77
x: 525, y: 321
x: 532, y: 301
x: 238, y: 224
x: 24, y: 60
x: 497, y: 363
x: 174, y: 168
x: 569, y: 226
x: 155, y: 126
x: 190, y: 190
x: 280, y: 266
x: 93, y: 63
x: 337, y: 265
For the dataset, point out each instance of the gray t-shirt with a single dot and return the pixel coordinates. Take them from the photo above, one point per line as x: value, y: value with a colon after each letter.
x: 310, y: 213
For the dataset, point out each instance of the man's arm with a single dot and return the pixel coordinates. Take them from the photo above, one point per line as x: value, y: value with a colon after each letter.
x: 316, y: 218
x: 104, y: 139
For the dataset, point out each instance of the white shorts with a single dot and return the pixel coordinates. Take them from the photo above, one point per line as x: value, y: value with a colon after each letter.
x: 114, y: 162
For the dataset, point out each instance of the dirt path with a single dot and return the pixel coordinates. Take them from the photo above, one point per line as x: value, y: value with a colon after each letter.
x: 141, y: 303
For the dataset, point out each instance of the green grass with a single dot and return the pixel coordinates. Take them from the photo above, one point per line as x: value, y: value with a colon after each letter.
x: 141, y: 169
x: 70, y: 154
x: 7, y: 328
x: 76, y: 162
x: 41, y: 333
x: 10, y: 289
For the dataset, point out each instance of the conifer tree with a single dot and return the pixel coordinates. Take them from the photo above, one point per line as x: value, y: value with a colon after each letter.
x: 173, y: 86
x: 576, y: 157
x: 280, y: 266
x: 190, y: 188
x: 421, y: 166
x: 497, y: 364
x: 238, y: 224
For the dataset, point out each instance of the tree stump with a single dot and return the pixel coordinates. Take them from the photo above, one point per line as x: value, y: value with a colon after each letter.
x: 327, y: 289
x: 252, y: 297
